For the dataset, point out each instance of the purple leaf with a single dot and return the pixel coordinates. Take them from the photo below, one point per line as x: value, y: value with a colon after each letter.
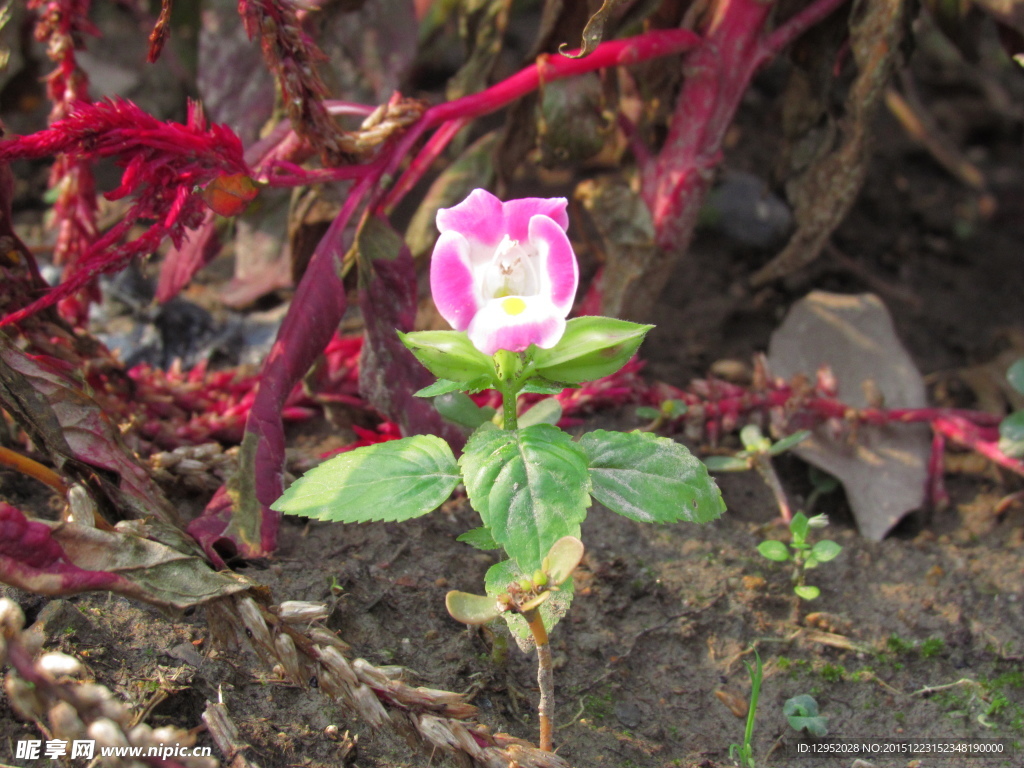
x: 389, y: 374
x: 181, y: 263
x: 239, y: 521
x: 67, y: 558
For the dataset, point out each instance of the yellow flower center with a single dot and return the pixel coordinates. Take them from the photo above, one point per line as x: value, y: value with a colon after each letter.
x: 513, y: 305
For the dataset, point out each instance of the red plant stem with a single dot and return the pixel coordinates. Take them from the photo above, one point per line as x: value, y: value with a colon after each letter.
x: 961, y: 430
x: 32, y: 468
x: 549, y: 67
x: 795, y: 26
x: 421, y: 163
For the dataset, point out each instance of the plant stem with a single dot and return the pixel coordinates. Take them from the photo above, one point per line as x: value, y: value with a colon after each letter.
x: 510, y: 415
x: 545, y: 677
x: 508, y: 365
x: 32, y: 468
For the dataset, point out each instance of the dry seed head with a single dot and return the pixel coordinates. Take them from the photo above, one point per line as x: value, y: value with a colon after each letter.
x: 369, y: 674
x: 254, y: 622
x: 12, y: 620
x: 107, y: 733
x: 369, y: 706
x: 301, y: 612
x: 65, y: 722
x: 285, y: 647
x: 24, y: 698
x: 60, y: 665
x: 336, y: 663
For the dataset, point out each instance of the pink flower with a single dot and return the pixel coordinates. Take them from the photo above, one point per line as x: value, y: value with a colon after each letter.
x: 505, y: 272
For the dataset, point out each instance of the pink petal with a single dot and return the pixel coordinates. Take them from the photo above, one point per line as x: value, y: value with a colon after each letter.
x: 518, y: 214
x: 538, y: 323
x: 451, y: 280
x: 561, y: 273
x: 479, y: 217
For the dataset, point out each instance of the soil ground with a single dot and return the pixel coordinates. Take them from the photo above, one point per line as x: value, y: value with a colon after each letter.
x: 916, y: 637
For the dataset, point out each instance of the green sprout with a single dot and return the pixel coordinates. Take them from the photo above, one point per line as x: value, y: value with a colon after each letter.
x: 757, y: 453
x: 802, y: 713
x: 666, y: 412
x: 743, y: 754
x: 801, y: 553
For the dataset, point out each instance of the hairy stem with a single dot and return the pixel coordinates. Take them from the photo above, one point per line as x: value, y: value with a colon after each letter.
x: 545, y: 677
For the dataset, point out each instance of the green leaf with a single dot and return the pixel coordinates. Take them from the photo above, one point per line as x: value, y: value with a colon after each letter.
x: 480, y: 538
x: 547, y: 411
x: 774, y: 550
x: 538, y: 385
x: 726, y: 464
x: 754, y: 440
x: 450, y: 355
x: 801, y: 706
x: 459, y: 408
x: 647, y: 412
x: 444, y: 386
x: 1015, y: 375
x: 471, y: 609
x: 650, y: 479
x: 562, y: 559
x: 591, y: 348
x: 497, y: 580
x: 1011, y: 435
x: 529, y: 485
x: 789, y: 441
x: 799, y: 526
x: 806, y: 592
x: 825, y: 550
x: 391, y: 481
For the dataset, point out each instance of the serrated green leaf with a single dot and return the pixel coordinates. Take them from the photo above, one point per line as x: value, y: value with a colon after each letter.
x: 826, y: 550
x: 1015, y: 375
x: 391, y: 481
x: 497, y: 580
x: 530, y: 486
x: 650, y: 479
x: 774, y: 550
x: 807, y: 592
x: 480, y: 538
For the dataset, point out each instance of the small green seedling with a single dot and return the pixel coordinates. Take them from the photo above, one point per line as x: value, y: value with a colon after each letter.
x: 1011, y: 429
x: 666, y: 412
x: 743, y: 753
x: 757, y: 453
x: 803, y: 555
x: 802, y: 713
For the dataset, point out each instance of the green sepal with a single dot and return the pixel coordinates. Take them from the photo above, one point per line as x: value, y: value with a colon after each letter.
x: 459, y: 408
x: 450, y: 355
x: 392, y: 481
x: 591, y: 348
x: 650, y: 479
x: 480, y: 538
